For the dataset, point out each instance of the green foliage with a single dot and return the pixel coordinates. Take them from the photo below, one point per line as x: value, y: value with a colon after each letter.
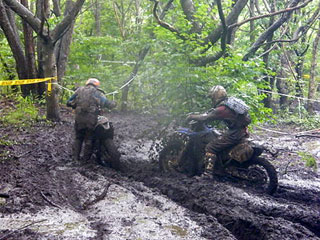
x: 96, y: 57
x: 299, y: 118
x: 7, y: 142
x: 8, y: 59
x: 309, y: 160
x: 23, y: 114
x: 173, y: 84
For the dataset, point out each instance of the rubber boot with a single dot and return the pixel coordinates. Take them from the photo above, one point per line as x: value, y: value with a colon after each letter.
x: 76, y: 149
x: 209, y: 164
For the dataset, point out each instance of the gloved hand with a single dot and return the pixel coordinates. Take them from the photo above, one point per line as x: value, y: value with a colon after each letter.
x: 190, y: 117
x: 113, y: 104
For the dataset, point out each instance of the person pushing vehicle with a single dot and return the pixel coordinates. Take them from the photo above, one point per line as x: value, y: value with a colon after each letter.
x: 87, y: 101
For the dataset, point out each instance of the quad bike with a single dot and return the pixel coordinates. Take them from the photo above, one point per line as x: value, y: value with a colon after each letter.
x: 105, y: 150
x: 184, y: 152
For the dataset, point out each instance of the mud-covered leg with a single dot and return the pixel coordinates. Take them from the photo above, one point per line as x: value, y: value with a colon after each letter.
x: 76, y: 149
x: 77, y: 144
x: 88, y: 146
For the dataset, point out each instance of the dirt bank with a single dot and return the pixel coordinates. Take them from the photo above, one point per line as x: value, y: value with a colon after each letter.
x: 52, y: 197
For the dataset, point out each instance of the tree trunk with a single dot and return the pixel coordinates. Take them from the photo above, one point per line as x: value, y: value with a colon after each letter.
x: 14, y: 42
x: 62, y: 47
x: 277, y: 24
x: 30, y: 56
x: 299, y: 70
x: 50, y: 70
x: 312, y: 83
x: 282, y: 84
x: 268, y: 100
x: 125, y: 91
x: 48, y: 38
x: 252, y: 26
x: 41, y: 86
x: 189, y: 10
x: 97, y: 13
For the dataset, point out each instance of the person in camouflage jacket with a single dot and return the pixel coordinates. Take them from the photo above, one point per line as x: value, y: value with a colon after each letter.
x: 234, y: 113
x: 87, y: 101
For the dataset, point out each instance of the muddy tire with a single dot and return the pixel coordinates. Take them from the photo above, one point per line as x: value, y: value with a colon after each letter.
x: 263, y: 175
x: 110, y: 154
x: 169, y: 155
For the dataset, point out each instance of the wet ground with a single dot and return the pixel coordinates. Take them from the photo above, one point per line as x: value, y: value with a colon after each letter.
x: 51, y: 197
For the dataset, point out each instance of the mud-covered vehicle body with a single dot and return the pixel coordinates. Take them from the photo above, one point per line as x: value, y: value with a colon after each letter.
x: 184, y: 152
x: 105, y: 150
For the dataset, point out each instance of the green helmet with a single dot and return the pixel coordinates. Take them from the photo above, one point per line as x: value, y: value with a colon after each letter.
x: 217, y: 94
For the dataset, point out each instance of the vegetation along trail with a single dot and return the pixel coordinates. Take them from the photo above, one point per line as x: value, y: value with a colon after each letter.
x: 157, y: 60
x: 52, y: 197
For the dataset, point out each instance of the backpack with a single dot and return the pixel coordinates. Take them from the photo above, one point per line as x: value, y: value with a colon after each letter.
x: 87, y: 100
x: 237, y: 105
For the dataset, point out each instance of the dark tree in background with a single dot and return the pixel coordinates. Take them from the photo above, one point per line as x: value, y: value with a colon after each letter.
x: 52, y: 44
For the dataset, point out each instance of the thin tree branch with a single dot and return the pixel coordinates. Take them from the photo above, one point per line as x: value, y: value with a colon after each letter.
x: 166, y: 8
x: 164, y: 24
x: 66, y: 21
x: 263, y: 37
x: 274, y: 45
x: 270, y: 14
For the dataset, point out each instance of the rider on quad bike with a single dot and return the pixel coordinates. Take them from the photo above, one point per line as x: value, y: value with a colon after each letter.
x: 234, y: 113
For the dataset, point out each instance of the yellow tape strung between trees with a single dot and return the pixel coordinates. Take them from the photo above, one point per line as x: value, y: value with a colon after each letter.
x: 28, y: 81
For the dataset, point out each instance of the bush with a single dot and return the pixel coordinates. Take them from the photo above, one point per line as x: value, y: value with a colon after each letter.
x: 22, y: 113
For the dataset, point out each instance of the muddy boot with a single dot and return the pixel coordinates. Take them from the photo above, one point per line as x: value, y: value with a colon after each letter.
x: 209, y: 164
x: 76, y: 149
x: 218, y: 169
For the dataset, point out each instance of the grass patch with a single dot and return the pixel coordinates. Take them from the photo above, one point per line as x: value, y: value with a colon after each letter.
x: 309, y: 160
x: 5, y: 142
x: 22, y: 113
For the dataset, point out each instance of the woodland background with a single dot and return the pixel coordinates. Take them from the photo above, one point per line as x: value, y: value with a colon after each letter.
x: 164, y: 56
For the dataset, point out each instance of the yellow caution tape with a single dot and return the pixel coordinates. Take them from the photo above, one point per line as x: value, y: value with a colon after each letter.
x: 25, y: 81
x: 29, y: 81
x: 49, y: 87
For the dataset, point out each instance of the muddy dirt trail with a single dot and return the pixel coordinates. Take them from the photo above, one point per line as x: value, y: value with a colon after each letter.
x: 52, y: 197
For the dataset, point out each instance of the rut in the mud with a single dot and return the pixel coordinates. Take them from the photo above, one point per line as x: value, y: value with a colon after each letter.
x: 43, y: 181
x: 292, y: 212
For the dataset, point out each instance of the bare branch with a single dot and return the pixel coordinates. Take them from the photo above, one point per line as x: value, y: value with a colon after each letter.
x: 274, y: 45
x: 215, y: 35
x: 66, y: 21
x: 56, y: 8
x: 298, y: 33
x: 25, y: 13
x: 270, y: 14
x: 164, y: 24
x: 271, y: 29
x: 166, y: 8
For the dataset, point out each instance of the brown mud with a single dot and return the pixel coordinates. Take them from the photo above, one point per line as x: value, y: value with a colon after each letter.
x: 52, y: 197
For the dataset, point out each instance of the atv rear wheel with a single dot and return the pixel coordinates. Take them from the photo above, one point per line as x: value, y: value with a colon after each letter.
x: 262, y: 175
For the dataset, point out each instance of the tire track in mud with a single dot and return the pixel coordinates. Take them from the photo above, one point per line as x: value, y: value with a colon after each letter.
x: 225, y: 210
x: 292, y: 213
x: 245, y: 214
